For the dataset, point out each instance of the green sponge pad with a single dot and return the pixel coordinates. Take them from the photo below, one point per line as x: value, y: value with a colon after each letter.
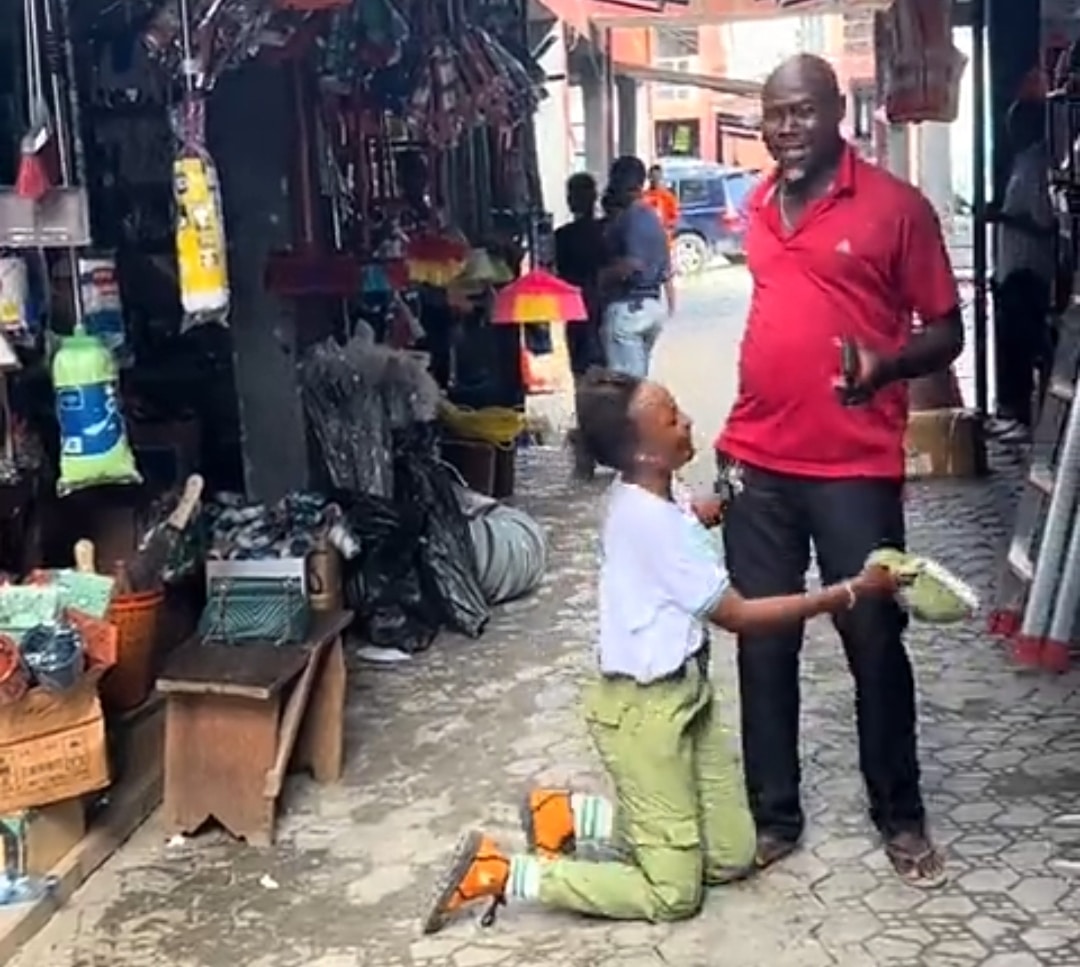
x: 930, y: 593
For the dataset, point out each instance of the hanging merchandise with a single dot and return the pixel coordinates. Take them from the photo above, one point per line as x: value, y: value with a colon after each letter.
x: 93, y: 443
x: 49, y: 164
x: 200, y: 229
x: 16, y: 312
x: 223, y: 33
x: 103, y: 311
x: 34, y: 180
x: 439, y: 104
x: 361, y: 39
x: 919, y: 68
x: 435, y: 260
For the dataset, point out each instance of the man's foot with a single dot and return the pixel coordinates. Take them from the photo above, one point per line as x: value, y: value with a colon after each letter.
x: 772, y: 849
x: 547, y: 817
x: 916, y: 861
x: 479, y: 871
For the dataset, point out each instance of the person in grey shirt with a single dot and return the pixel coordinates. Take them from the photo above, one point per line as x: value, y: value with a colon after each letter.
x: 638, y: 271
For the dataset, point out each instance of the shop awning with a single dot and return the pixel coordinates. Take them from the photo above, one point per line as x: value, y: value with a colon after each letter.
x: 722, y: 85
x: 580, y: 14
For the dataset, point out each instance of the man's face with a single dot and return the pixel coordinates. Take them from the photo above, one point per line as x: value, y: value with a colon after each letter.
x: 800, y: 123
x: 656, y: 177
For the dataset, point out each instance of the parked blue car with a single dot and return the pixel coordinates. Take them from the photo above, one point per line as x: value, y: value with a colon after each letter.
x: 712, y: 210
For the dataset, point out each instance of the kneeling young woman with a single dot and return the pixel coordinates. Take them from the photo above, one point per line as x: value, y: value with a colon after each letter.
x: 679, y: 819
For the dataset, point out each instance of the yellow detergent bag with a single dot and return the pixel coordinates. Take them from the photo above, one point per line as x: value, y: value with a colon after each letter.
x: 200, y: 240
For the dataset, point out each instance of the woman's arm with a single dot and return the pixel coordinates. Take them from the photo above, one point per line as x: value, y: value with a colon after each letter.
x: 742, y: 615
x: 760, y: 615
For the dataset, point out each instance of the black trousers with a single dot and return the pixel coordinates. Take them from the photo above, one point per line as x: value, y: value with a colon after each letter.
x: 768, y: 531
x: 1023, y: 343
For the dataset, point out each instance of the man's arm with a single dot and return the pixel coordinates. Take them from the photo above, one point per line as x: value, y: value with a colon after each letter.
x: 927, y: 288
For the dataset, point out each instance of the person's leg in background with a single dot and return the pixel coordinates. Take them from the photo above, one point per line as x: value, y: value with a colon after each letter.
x: 767, y: 545
x: 656, y: 313
x: 849, y: 519
x: 630, y: 331
x: 645, y: 738
x: 1020, y: 307
x: 585, y: 351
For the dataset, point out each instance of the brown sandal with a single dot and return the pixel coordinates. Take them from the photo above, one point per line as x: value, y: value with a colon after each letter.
x: 916, y: 861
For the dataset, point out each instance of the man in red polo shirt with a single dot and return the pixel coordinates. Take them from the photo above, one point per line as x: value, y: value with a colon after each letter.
x: 839, y: 250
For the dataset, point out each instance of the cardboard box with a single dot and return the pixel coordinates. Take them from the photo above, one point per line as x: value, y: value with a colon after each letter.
x: 944, y: 443
x: 35, y: 840
x: 52, y: 747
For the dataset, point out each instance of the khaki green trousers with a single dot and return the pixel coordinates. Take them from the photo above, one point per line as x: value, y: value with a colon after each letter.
x: 681, y: 820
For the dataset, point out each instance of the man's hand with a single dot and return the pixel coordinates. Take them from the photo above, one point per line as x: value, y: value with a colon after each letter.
x: 708, y: 510
x: 860, y: 384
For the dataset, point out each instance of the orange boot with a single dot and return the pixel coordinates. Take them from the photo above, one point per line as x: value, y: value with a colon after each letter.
x: 480, y: 871
x: 547, y: 818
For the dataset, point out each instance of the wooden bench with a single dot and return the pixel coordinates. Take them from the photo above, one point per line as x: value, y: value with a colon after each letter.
x: 238, y: 716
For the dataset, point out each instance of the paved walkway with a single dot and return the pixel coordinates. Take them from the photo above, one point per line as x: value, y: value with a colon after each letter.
x: 448, y: 743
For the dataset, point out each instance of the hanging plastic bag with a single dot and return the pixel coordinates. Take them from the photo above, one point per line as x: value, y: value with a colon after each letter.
x: 919, y: 68
x: 15, y: 300
x: 103, y: 312
x: 200, y: 223
x: 93, y: 442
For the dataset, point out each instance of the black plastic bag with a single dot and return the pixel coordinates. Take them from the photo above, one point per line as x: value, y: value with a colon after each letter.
x: 383, y: 584
x: 447, y: 559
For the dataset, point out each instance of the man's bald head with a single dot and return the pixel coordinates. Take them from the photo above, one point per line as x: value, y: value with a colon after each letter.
x: 807, y: 72
x: 801, y: 111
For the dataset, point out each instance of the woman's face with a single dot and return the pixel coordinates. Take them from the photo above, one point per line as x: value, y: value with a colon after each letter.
x: 664, y: 432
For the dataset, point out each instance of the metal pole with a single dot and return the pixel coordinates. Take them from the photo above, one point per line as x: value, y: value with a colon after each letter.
x: 978, y: 200
x: 1060, y: 516
x: 607, y: 81
x: 1063, y: 623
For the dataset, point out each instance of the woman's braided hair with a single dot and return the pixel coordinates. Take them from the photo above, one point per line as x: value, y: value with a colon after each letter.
x: 604, y: 403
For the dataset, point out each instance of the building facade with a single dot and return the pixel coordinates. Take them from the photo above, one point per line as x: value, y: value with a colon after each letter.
x: 691, y: 121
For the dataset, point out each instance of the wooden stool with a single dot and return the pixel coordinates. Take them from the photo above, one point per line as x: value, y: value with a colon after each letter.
x: 234, y: 716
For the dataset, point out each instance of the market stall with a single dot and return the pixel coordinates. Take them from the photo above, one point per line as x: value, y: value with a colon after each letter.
x: 132, y: 288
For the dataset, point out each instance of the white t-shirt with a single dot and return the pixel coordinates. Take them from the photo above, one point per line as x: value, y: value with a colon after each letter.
x: 1027, y: 194
x: 660, y: 577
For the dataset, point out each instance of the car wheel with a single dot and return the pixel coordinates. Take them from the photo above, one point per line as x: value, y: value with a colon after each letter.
x: 691, y: 254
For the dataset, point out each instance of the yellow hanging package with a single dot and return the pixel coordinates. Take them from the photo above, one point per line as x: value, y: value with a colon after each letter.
x: 200, y: 240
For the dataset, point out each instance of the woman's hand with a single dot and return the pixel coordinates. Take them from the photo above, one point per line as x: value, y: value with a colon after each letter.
x: 876, y: 582
x: 708, y: 510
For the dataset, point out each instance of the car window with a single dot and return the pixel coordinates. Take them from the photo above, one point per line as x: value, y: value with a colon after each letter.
x: 739, y: 187
x: 693, y: 191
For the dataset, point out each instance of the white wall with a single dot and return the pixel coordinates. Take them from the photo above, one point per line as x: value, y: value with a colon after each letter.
x: 554, y: 148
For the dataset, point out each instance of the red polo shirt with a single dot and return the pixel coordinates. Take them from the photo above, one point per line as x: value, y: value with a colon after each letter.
x: 861, y: 263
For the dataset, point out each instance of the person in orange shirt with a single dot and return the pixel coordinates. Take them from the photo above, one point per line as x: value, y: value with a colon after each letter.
x: 662, y: 200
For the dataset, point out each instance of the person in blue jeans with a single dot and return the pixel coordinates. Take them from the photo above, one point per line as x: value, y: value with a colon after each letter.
x: 638, y: 273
